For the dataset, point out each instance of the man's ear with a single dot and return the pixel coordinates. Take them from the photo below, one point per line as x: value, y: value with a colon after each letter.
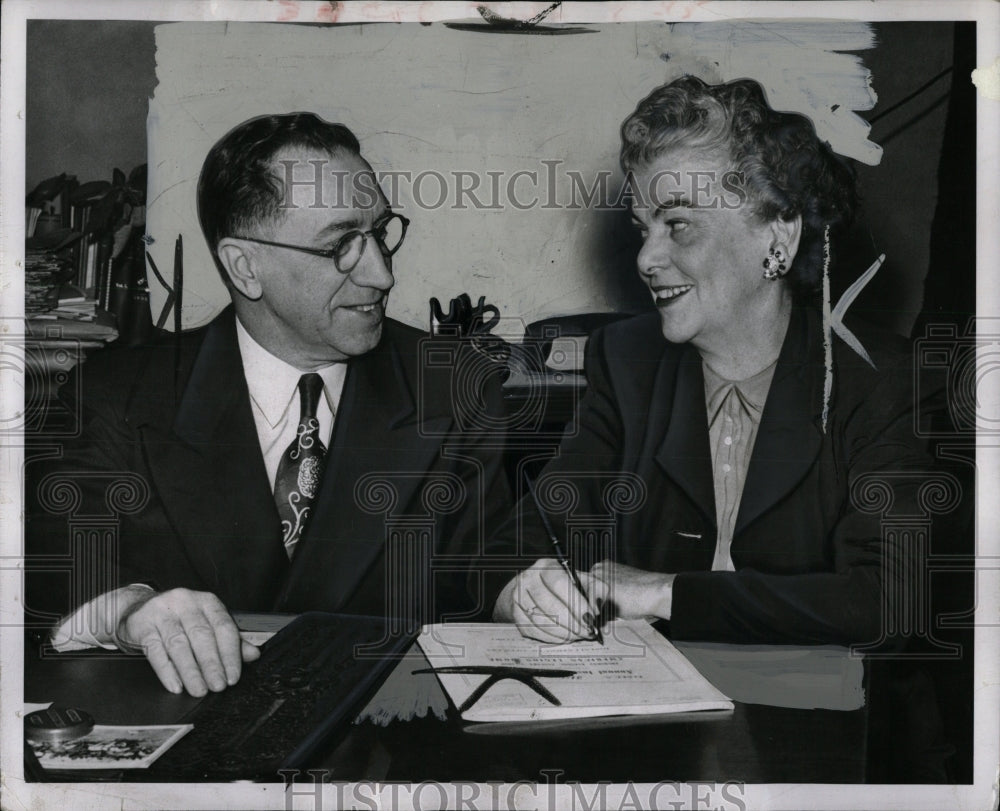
x: 787, y: 233
x: 241, y: 266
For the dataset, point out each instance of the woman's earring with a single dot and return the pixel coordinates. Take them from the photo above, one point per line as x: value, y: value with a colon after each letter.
x: 774, y: 263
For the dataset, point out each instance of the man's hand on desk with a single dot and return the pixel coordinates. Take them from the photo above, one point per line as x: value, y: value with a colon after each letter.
x: 545, y: 605
x: 189, y: 639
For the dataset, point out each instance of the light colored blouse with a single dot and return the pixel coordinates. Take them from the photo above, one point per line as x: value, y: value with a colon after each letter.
x: 734, y: 411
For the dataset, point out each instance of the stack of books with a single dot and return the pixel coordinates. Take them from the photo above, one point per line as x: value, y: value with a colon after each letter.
x: 92, y: 254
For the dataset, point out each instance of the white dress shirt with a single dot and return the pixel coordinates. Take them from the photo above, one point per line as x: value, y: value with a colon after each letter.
x: 274, y: 401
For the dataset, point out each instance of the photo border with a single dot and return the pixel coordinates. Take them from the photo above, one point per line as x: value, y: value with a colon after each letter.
x: 791, y: 796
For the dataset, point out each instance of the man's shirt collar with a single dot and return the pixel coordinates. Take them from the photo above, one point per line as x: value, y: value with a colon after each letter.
x: 272, y: 382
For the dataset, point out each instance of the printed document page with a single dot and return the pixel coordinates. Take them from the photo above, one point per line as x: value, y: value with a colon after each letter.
x: 636, y: 671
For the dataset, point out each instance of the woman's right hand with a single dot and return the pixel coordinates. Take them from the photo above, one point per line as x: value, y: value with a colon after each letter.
x: 545, y: 604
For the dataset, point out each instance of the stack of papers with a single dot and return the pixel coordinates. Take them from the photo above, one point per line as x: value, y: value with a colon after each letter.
x: 636, y: 671
x: 75, y: 307
x: 41, y: 278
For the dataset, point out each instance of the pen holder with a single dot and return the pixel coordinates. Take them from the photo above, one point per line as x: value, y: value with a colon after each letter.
x: 472, y: 325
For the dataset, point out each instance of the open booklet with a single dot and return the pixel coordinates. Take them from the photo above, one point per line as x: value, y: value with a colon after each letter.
x: 635, y: 672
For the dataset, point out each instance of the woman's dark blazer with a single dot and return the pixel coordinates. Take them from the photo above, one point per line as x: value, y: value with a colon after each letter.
x: 821, y: 555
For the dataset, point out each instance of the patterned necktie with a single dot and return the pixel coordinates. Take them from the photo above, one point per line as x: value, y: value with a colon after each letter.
x: 301, y: 466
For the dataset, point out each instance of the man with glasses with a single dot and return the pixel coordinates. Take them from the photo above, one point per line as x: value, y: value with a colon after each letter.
x: 263, y: 438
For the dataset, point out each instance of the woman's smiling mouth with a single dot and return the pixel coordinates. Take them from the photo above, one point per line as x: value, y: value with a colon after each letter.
x: 665, y: 295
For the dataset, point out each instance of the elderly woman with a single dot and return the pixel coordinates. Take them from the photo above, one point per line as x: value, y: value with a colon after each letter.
x: 745, y: 442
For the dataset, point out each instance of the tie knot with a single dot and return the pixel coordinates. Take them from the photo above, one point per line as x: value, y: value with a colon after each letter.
x: 310, y: 388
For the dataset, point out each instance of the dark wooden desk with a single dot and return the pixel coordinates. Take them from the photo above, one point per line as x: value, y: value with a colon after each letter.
x: 753, y: 744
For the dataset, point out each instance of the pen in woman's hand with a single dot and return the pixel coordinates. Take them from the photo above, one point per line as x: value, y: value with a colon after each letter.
x: 595, y: 631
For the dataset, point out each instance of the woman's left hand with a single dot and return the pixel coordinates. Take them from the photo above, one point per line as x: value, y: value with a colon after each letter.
x: 635, y: 592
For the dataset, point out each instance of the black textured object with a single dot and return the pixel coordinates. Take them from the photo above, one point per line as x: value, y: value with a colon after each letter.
x: 290, y: 706
x: 473, y: 325
x: 462, y: 319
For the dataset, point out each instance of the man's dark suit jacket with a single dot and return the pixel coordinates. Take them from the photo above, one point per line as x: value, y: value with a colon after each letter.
x: 809, y: 563
x: 395, y: 467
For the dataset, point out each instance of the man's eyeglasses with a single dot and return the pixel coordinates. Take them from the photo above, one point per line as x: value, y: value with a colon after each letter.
x: 347, y: 251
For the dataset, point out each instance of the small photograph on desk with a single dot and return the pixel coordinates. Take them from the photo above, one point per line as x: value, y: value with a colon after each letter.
x: 111, y: 747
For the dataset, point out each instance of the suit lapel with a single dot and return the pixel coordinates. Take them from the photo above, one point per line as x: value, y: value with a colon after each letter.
x: 788, y: 438
x: 376, y: 437
x: 210, y: 474
x: 678, y: 415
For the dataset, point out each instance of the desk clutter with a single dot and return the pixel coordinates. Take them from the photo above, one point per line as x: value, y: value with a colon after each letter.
x: 90, y: 235
x: 301, y: 695
x: 299, y: 699
x: 44, y: 272
x: 65, y: 738
x: 339, y: 692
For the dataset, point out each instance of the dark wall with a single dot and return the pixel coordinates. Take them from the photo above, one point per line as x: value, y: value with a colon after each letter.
x: 900, y: 195
x: 88, y: 83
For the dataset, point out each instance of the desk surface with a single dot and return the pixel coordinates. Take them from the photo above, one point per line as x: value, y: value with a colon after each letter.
x: 754, y: 744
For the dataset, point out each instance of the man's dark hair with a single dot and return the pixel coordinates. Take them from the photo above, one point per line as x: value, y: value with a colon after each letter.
x: 238, y: 190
